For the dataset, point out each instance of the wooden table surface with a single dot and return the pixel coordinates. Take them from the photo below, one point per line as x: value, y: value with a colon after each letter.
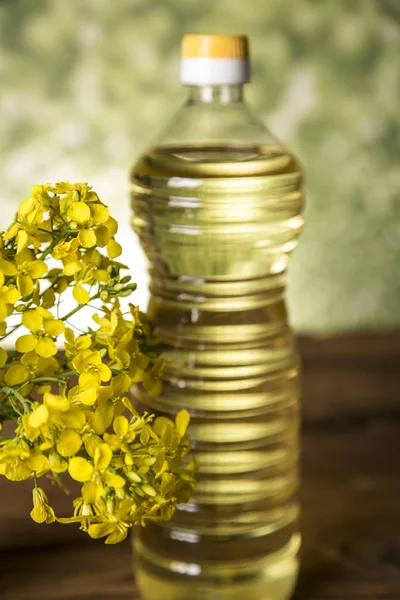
x: 350, y: 494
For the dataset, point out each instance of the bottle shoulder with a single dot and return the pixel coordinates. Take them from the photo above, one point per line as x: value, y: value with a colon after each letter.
x: 205, y: 160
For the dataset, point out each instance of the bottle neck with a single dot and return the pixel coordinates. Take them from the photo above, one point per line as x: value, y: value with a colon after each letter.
x: 214, y: 94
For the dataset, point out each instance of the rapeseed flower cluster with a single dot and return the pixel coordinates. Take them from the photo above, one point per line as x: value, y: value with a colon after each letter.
x: 72, y: 413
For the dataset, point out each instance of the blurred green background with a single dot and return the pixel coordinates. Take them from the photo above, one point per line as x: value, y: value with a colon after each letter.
x: 85, y: 84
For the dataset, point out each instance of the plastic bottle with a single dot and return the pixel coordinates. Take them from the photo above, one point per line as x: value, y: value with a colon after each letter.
x: 217, y: 204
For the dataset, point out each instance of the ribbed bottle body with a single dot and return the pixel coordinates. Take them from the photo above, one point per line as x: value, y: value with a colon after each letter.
x: 218, y: 224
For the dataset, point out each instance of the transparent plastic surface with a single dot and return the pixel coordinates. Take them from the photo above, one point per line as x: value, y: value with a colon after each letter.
x: 218, y: 216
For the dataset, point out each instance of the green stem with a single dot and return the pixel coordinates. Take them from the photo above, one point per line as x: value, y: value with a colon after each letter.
x: 14, y: 407
x: 53, y: 379
x: 49, y: 248
x: 75, y: 310
x: 28, y: 304
x: 75, y: 327
x: 96, y: 308
x: 9, y: 390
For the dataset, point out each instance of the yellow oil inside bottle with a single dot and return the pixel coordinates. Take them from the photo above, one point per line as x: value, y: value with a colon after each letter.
x: 218, y: 223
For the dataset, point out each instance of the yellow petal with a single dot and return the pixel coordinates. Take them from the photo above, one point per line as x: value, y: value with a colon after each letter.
x: 10, y: 294
x: 98, y: 422
x: 99, y: 530
x: 11, y: 231
x: 91, y: 492
x: 39, y: 416
x: 46, y: 347
x: 25, y: 285
x: 16, y: 374
x: 7, y: 268
x: 87, y: 238
x: 32, y: 319
x: 26, y: 343
x: 46, y: 314
x: 117, y: 536
x: 36, y: 269
x: 70, y: 268
x: 153, y: 386
x: 93, y: 358
x: 39, y: 513
x: 93, y: 257
x: 112, y: 440
x: 102, y: 456
x: 57, y: 464
x: 144, y: 435
x: 24, y: 256
x: 54, y: 327
x: 38, y: 463
x: 58, y: 403
x: 89, y: 380
x: 69, y: 443
x: 79, y: 362
x: 69, y: 335
x: 182, y: 421
x: 114, y: 249
x: 79, y: 212
x: 112, y: 226
x: 74, y: 418
x: 18, y: 472
x: 80, y: 294
x: 83, y: 342
x: 22, y: 240
x: 48, y: 298
x: 43, y: 389
x: 102, y: 275
x: 3, y: 357
x: 80, y: 469
x: 26, y: 206
x: 87, y: 397
x: 91, y: 442
x: 105, y: 373
x: 26, y: 389
x: 99, y: 212
x: 102, y: 236
x: 113, y: 480
x: 120, y: 426
x: 120, y: 384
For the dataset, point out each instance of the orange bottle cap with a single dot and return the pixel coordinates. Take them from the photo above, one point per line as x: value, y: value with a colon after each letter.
x: 215, y: 46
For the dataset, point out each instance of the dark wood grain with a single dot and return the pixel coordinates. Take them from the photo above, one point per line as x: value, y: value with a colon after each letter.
x: 350, y: 494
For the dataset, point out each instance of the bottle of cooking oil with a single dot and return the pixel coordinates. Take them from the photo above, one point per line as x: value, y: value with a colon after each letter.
x: 217, y: 203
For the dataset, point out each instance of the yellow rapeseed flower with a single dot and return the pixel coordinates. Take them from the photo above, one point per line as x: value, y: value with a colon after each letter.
x: 8, y: 297
x: 91, y: 368
x: 42, y: 511
x: 65, y: 249
x: 43, y: 328
x: 39, y: 366
x: 27, y: 270
x: 70, y: 410
x: 73, y: 345
x: 14, y: 463
x: 88, y: 219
